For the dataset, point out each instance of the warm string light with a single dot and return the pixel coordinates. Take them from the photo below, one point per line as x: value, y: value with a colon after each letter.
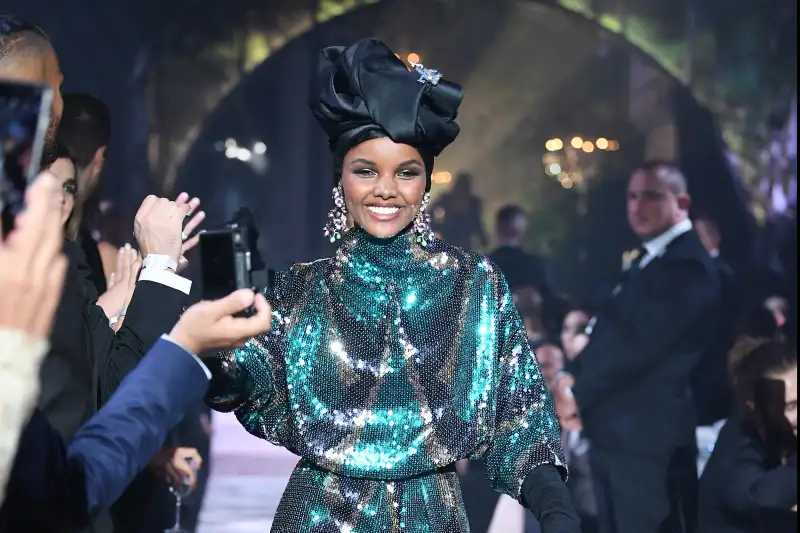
x: 441, y: 177
x: 564, y: 165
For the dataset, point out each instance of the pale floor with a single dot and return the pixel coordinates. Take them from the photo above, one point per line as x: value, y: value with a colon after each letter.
x: 249, y: 475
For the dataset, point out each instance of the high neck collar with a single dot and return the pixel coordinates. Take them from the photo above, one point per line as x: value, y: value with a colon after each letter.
x: 395, y: 254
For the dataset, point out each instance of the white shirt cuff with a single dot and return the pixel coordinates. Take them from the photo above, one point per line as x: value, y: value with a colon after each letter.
x: 199, y: 362
x: 165, y: 277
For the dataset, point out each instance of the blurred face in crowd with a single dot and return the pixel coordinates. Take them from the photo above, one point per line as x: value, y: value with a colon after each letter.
x: 656, y: 202
x: 518, y: 225
x: 572, y: 333
x: 383, y: 184
x: 789, y: 379
x: 64, y: 169
x: 551, y: 361
x: 36, y: 62
x: 708, y: 234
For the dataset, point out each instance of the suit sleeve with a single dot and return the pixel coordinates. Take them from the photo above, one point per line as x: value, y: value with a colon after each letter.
x: 153, y: 311
x: 646, y: 336
x: 71, y: 484
x: 750, y: 488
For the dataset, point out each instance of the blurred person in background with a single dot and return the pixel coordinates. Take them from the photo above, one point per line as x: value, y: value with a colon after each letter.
x: 550, y: 358
x: 85, y: 132
x: 573, y: 336
x: 576, y: 446
x: 751, y: 477
x: 27, y: 56
x: 521, y: 269
x: 525, y: 270
x: 457, y: 215
x: 710, y: 387
x: 631, y: 394
x: 64, y: 168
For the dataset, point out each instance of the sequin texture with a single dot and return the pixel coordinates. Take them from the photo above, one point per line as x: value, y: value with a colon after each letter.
x: 385, y: 365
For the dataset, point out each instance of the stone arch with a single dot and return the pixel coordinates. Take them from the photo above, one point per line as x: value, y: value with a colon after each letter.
x: 504, y: 123
x: 175, y: 134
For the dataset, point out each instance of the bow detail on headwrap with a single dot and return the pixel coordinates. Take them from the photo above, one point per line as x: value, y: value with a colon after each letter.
x: 367, y: 87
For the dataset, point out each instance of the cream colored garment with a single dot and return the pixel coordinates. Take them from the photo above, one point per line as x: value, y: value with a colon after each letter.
x: 20, y: 359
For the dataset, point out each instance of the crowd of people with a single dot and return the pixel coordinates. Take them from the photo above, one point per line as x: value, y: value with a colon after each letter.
x: 679, y: 360
x: 401, y: 370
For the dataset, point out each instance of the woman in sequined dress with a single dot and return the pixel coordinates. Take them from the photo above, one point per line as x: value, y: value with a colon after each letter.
x: 400, y: 355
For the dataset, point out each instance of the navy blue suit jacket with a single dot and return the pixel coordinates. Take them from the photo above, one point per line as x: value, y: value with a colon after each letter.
x: 57, y: 486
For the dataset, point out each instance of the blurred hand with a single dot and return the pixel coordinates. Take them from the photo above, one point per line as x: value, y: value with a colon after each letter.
x: 196, y: 218
x: 119, y: 284
x: 462, y: 467
x: 210, y: 325
x: 158, y: 226
x: 179, y: 465
x: 32, y: 267
x: 579, y: 342
x: 565, y: 404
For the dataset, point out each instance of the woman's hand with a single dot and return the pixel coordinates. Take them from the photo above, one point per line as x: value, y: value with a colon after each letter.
x: 195, y: 218
x: 113, y: 301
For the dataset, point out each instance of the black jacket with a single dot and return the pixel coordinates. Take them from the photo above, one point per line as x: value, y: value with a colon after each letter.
x: 87, y: 361
x: 633, y: 385
x: 741, y: 490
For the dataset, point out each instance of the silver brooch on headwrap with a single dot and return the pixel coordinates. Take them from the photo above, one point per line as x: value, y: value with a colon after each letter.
x: 427, y: 75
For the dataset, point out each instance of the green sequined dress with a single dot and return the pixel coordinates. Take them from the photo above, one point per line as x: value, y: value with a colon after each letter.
x: 385, y: 365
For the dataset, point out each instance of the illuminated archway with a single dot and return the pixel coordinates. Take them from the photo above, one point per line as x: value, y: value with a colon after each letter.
x: 251, y: 46
x: 519, y: 94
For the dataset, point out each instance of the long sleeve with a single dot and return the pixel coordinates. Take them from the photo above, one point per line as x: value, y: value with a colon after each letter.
x: 750, y: 488
x: 20, y: 358
x: 154, y: 310
x: 247, y: 380
x: 55, y: 483
x: 545, y: 494
x: 527, y: 433
x: 645, y: 338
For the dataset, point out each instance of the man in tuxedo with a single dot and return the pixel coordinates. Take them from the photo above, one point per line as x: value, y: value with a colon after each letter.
x: 55, y: 486
x: 631, y: 393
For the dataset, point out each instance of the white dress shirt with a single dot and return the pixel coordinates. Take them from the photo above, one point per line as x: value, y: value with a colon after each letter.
x: 658, y: 245
x: 165, y: 277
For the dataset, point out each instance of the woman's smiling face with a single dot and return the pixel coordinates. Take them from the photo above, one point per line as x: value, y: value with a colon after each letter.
x: 384, y: 183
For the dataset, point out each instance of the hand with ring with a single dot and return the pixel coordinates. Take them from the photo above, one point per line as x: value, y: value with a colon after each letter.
x: 193, y: 219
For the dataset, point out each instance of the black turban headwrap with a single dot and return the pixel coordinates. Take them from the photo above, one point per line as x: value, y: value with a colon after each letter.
x: 366, y: 89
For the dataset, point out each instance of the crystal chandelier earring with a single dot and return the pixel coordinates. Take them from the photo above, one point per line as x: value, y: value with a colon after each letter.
x: 337, y: 217
x: 422, y: 222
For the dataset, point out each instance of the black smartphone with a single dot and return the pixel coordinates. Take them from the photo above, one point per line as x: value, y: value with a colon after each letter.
x: 24, y: 120
x: 225, y: 262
